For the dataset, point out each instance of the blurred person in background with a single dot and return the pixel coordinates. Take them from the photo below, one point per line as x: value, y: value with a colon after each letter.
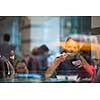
x: 21, y: 68
x: 33, y: 62
x: 7, y: 57
x: 6, y: 69
x: 70, y: 62
x: 12, y: 57
x: 6, y: 48
x: 43, y: 58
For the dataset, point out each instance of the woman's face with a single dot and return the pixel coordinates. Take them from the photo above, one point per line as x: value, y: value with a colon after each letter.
x: 72, y: 46
x: 20, y: 67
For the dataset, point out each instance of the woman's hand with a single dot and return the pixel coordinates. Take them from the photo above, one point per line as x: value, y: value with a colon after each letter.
x: 54, y: 65
x: 59, y: 59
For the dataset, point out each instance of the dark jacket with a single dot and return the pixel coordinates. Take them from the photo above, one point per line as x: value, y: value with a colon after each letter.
x: 69, y: 68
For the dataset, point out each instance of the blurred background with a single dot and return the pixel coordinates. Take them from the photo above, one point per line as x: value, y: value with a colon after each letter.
x: 29, y: 32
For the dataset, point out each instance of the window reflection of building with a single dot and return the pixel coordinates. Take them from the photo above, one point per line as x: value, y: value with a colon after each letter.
x: 45, y: 30
x: 10, y: 25
x: 36, y: 31
x: 15, y: 34
x: 74, y: 25
x: 25, y: 31
x: 28, y: 32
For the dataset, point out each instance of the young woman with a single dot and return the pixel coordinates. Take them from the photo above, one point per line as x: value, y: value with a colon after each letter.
x: 71, y: 62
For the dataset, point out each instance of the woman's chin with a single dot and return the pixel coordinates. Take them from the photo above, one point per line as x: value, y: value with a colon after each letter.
x: 71, y: 55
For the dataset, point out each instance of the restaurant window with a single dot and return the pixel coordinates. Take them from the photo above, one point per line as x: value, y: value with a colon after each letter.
x: 74, y: 25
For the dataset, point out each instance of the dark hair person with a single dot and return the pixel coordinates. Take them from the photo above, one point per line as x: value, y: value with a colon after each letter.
x: 6, y: 48
x: 71, y: 62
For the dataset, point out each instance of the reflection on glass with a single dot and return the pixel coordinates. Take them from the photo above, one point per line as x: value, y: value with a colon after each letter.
x: 31, y: 32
